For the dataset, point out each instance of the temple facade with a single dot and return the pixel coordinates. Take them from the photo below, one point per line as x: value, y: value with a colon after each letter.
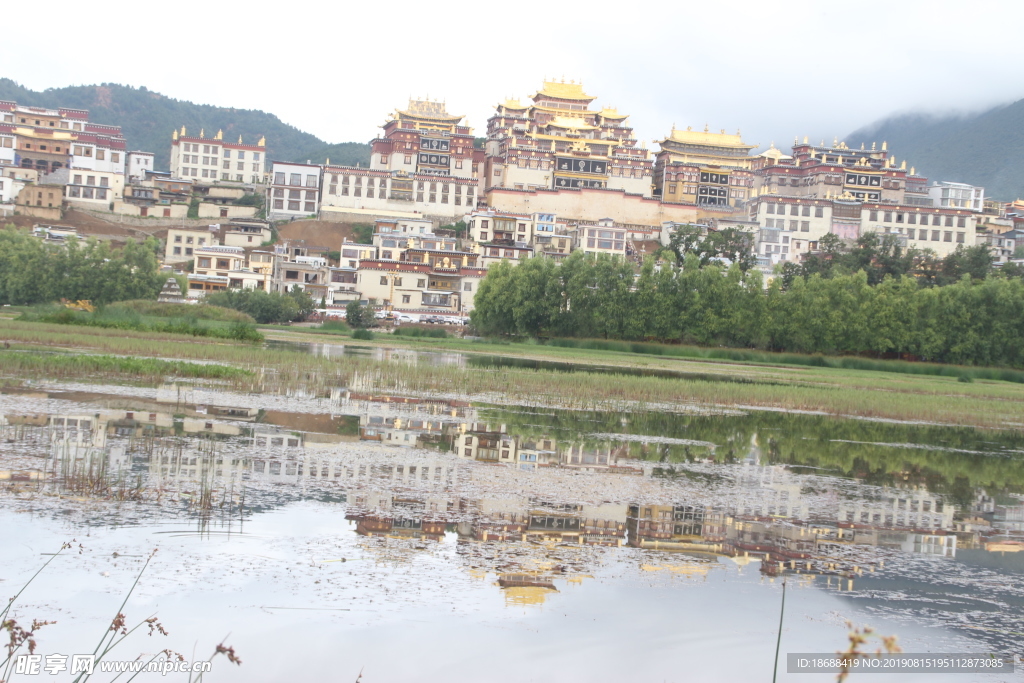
x: 821, y: 189
x: 557, y: 141
x: 704, y: 168
x: 423, y: 164
x: 424, y: 139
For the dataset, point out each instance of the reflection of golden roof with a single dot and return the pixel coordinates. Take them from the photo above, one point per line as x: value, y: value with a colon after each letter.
x: 564, y: 91
x: 694, y: 137
x: 426, y: 109
x: 1005, y: 547
x: 526, y: 595
x: 684, y: 569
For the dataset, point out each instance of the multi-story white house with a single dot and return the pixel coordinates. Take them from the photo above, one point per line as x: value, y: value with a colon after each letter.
x: 138, y: 163
x: 946, y: 194
x: 294, y: 190
x: 215, y: 160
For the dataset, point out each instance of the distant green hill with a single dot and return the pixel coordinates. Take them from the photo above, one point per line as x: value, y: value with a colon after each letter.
x: 984, y: 149
x: 148, y: 118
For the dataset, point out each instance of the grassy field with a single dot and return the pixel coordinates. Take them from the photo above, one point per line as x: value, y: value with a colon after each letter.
x: 863, y: 393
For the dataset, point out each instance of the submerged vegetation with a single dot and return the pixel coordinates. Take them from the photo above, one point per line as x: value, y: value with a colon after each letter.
x: 71, y: 365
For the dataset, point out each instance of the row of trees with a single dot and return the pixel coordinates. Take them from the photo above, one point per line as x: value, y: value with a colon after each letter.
x: 33, y: 271
x: 36, y: 272
x: 881, y: 256
x: 878, y: 255
x: 973, y: 321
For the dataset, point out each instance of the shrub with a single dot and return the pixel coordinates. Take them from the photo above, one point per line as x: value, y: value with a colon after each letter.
x: 410, y: 331
x: 335, y: 326
x: 362, y: 334
x: 202, y: 311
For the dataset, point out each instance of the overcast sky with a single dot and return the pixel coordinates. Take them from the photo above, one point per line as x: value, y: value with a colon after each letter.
x: 772, y: 68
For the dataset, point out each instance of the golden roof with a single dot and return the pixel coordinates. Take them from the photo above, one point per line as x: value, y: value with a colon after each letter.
x: 774, y: 153
x: 693, y: 137
x: 564, y: 91
x: 612, y: 113
x: 513, y: 103
x: 570, y: 122
x: 427, y: 109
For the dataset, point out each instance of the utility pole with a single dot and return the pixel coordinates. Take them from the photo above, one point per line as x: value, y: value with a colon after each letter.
x: 778, y: 640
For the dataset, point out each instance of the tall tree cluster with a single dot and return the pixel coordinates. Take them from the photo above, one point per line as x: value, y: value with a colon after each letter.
x: 972, y: 321
x: 33, y: 272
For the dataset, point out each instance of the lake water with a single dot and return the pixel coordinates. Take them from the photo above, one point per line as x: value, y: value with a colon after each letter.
x: 324, y: 534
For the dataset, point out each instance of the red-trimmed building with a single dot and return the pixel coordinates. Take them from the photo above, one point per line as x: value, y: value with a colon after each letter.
x: 423, y: 165
x: 216, y: 160
x: 559, y: 142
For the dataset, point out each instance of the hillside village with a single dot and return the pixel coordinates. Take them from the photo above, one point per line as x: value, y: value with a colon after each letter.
x: 414, y: 233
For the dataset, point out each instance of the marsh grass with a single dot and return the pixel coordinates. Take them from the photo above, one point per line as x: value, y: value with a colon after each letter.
x: 421, y: 331
x: 867, y: 394
x: 121, y: 318
x: 810, y: 360
x: 159, y: 309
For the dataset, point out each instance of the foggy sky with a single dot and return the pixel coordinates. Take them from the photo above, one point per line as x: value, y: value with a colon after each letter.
x: 774, y: 69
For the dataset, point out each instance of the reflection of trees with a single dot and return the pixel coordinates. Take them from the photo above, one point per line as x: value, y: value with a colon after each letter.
x: 950, y: 460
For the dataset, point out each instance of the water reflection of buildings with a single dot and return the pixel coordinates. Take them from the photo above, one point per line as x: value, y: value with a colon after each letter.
x: 417, y: 494
x: 914, y: 508
x: 492, y: 443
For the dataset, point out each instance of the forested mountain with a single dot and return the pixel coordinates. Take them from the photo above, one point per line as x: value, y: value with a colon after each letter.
x: 984, y: 149
x: 148, y: 118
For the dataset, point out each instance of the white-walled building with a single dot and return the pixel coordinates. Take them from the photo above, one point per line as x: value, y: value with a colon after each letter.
x: 92, y: 188
x: 182, y: 243
x: 948, y: 195
x: 294, y: 190
x: 137, y: 165
x: 7, y: 144
x: 215, y: 160
x: 99, y: 148
x: 806, y: 220
x: 11, y: 183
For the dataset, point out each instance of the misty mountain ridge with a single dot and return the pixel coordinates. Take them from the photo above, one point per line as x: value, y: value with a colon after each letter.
x: 148, y: 118
x: 984, y: 148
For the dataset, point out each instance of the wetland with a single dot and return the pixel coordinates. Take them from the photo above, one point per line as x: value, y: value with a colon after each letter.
x: 543, y: 514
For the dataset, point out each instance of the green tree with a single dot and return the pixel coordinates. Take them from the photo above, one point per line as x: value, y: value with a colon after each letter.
x: 358, y: 316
